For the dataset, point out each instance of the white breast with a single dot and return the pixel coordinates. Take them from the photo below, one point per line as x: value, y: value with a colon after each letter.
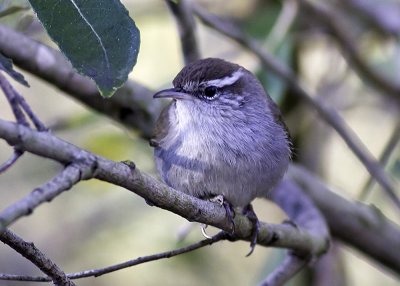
x: 194, y: 137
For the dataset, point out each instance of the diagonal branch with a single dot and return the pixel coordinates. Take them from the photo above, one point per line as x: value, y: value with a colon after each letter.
x: 329, y: 115
x: 129, y: 177
x: 384, y: 18
x: 70, y: 176
x: 364, y: 227
x: 350, y: 51
x: 30, y: 252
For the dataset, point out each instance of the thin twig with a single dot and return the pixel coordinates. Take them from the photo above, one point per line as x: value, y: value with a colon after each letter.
x: 290, y: 266
x: 15, y: 156
x: 19, y: 116
x: 101, y: 271
x: 187, y: 29
x: 12, y: 100
x: 326, y: 113
x: 97, y: 272
x: 394, y: 140
x: 34, y: 255
x: 63, y: 181
x: 282, y: 25
x: 32, y: 116
x: 18, y: 105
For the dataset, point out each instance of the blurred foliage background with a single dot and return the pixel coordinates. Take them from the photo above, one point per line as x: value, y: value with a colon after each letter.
x: 96, y: 224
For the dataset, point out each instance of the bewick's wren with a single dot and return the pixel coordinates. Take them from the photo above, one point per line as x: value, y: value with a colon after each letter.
x: 221, y: 135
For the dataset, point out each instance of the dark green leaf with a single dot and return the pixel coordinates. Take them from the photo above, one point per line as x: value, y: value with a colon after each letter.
x: 97, y: 36
x: 260, y: 23
x: 275, y: 86
x: 7, y: 66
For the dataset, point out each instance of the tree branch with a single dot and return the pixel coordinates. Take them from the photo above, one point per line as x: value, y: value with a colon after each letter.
x: 191, y: 208
x: 70, y: 176
x: 330, y: 269
x: 350, y: 51
x: 187, y: 29
x: 328, y: 114
x: 30, y: 252
x: 385, y: 18
x: 132, y: 105
x: 364, y: 227
x: 304, y: 214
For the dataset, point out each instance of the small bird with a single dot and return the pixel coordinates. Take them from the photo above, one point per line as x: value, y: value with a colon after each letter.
x: 221, y: 135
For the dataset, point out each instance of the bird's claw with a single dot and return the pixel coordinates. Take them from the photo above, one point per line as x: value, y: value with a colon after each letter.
x: 203, y: 231
x: 251, y: 215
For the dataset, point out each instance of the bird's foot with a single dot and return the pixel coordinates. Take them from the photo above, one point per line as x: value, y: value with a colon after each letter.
x: 230, y: 212
x: 217, y: 199
x: 248, y: 211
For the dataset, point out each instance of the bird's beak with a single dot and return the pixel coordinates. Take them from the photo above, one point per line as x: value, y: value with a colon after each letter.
x: 172, y: 93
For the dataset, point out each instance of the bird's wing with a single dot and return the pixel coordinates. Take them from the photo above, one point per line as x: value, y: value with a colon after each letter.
x: 161, y: 128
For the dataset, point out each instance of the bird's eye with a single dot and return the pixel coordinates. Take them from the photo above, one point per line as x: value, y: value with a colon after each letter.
x: 210, y: 91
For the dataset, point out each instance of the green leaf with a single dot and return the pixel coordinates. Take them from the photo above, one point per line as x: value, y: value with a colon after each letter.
x: 271, y: 82
x: 7, y: 66
x: 97, y: 36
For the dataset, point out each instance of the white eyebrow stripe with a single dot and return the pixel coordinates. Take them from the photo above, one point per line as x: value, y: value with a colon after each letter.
x: 228, y: 80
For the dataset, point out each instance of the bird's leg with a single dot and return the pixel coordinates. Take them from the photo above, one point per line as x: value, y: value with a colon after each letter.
x: 248, y: 211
